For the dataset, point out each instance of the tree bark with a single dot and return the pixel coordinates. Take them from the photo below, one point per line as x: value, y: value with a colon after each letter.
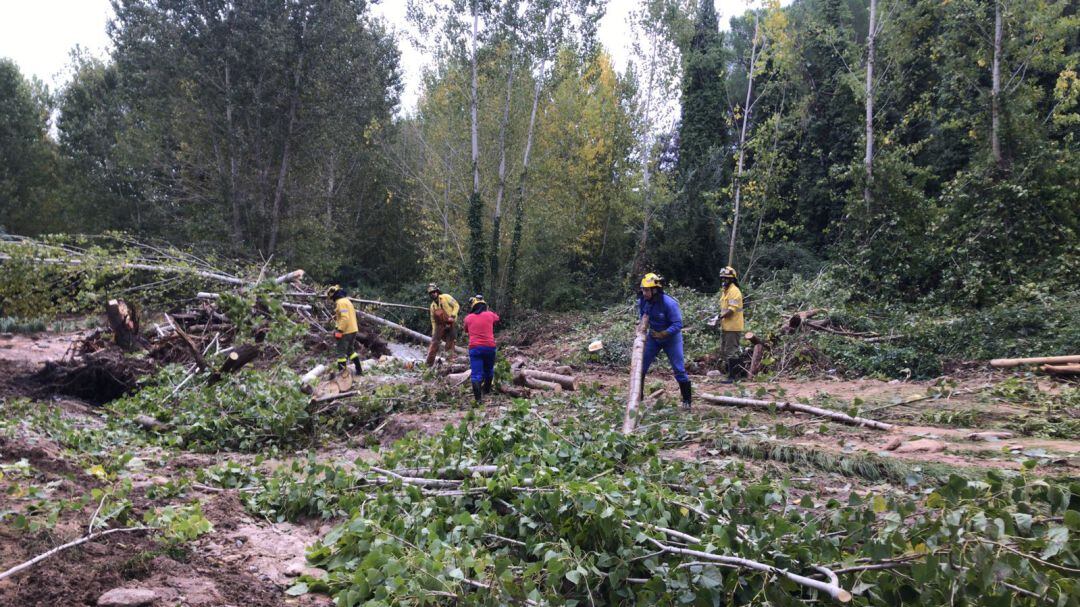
x: 637, y: 379
x: 995, y: 91
x: 640, y: 257
x: 1073, y: 369
x: 868, y: 158
x: 519, y: 211
x: 742, y: 142
x: 785, y: 406
x: 124, y: 322
x: 496, y: 221
x: 1047, y: 360
x: 566, y: 381
x: 475, y: 128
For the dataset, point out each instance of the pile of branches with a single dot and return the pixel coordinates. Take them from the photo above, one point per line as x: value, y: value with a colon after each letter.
x: 530, y: 510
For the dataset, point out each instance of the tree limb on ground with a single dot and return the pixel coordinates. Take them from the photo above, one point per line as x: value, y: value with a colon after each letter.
x: 788, y: 406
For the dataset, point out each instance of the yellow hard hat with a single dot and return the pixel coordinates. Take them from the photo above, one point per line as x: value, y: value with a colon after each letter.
x: 729, y: 272
x: 332, y: 290
x: 432, y: 287
x: 478, y: 299
x: 651, y: 281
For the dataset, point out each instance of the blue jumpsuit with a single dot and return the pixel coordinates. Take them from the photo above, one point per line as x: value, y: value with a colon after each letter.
x: 664, y: 315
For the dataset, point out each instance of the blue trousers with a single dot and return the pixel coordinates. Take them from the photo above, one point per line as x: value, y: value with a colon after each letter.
x: 673, y: 347
x: 482, y: 363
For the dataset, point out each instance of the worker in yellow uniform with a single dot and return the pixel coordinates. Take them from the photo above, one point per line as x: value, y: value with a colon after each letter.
x: 444, y: 312
x: 345, y: 328
x: 731, y: 320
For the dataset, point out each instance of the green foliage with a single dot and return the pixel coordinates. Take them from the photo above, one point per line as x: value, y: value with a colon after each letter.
x: 250, y: 410
x: 179, y: 524
x: 568, y: 514
x: 477, y: 245
x: 9, y: 324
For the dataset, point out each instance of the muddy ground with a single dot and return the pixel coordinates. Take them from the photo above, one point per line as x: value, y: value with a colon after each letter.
x: 958, y: 424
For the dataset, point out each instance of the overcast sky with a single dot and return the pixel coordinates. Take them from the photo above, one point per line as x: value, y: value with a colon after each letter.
x: 39, y: 34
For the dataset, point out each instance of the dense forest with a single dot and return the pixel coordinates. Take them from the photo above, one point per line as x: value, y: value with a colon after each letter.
x: 913, y: 148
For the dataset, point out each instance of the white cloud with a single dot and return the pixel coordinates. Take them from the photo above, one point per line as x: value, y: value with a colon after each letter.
x: 39, y: 34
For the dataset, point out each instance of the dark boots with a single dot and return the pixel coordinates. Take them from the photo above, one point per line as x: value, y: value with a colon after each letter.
x: 477, y: 389
x: 684, y: 389
x: 732, y: 364
x: 359, y: 367
x: 486, y: 386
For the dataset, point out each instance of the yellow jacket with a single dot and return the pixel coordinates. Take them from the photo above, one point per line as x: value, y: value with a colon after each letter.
x: 345, y: 316
x: 731, y: 299
x: 449, y: 307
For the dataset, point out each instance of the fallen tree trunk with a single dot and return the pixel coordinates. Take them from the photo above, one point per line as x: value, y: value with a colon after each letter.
x: 289, y: 277
x: 239, y: 357
x: 633, y: 397
x: 513, y: 391
x: 307, y: 380
x: 1003, y: 363
x: 420, y: 337
x: 796, y: 320
x: 787, y: 406
x: 456, y: 379
x: 539, y: 384
x: 566, y: 381
x: 1073, y: 369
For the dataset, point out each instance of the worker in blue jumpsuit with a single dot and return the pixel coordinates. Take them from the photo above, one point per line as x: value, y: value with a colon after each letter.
x: 665, y: 331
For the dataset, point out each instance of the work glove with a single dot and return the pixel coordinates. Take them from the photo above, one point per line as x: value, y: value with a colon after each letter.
x: 338, y: 335
x: 660, y: 335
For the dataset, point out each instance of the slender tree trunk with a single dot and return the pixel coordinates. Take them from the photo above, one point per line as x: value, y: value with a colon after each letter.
x: 519, y: 209
x: 476, y: 217
x: 995, y: 92
x: 475, y: 127
x: 234, y: 169
x: 868, y: 159
x: 496, y: 222
x: 283, y: 171
x: 640, y: 256
x: 742, y: 144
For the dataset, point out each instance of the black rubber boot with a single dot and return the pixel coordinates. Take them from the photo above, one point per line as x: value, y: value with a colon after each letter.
x: 359, y: 367
x: 731, y: 364
x: 684, y: 389
x: 476, y: 390
x: 487, y: 385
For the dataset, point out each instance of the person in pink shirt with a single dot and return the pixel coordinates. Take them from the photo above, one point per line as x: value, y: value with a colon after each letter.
x: 480, y: 325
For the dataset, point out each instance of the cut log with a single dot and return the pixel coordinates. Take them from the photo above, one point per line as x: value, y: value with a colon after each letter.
x: 796, y: 320
x: 1002, y: 363
x: 633, y: 397
x: 307, y: 380
x: 755, y: 359
x: 513, y: 391
x: 539, y: 384
x: 566, y: 381
x: 456, y: 379
x: 293, y: 276
x: 1073, y: 369
x: 124, y: 322
x: 239, y: 357
x: 753, y: 338
x: 564, y: 369
x: 787, y: 406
